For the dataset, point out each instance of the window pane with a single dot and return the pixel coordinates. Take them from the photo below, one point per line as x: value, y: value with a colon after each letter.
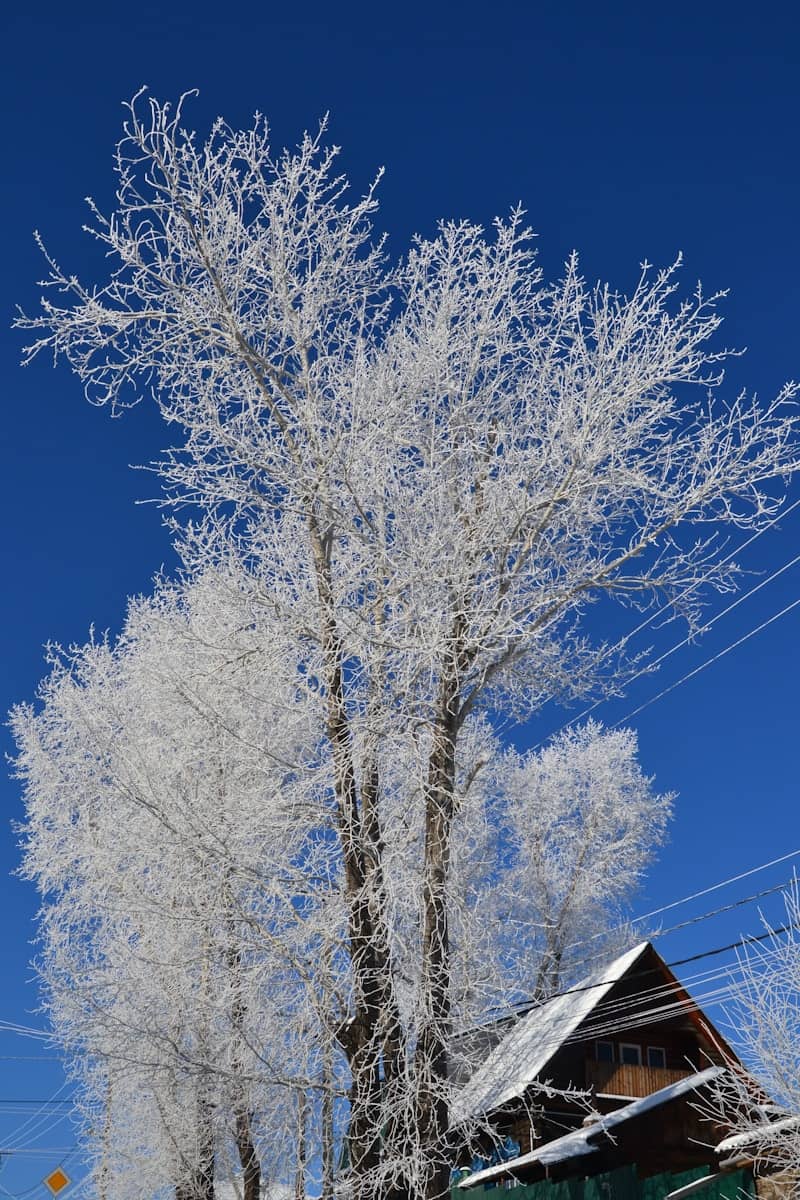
x: 604, y: 1051
x: 656, y: 1056
x: 630, y: 1055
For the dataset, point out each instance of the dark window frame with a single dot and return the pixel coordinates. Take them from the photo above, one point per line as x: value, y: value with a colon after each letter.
x: 623, y: 1046
x: 659, y: 1050
x: 597, y: 1056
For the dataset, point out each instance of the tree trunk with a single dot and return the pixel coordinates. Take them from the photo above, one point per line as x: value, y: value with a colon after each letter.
x: 327, y: 1148
x: 243, y: 1129
x: 248, y: 1159
x: 433, y: 1115
x: 300, y: 1168
x: 199, y: 1184
x: 359, y: 1038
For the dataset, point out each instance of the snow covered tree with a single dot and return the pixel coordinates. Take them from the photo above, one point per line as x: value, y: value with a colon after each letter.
x: 173, y: 828
x: 582, y: 823
x: 760, y: 1102
x: 163, y: 847
x: 426, y: 472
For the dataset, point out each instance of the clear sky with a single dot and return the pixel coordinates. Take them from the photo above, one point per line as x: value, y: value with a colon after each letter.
x: 628, y: 130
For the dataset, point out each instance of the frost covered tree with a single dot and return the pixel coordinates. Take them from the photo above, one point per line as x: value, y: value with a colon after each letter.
x: 760, y: 1101
x: 582, y: 824
x: 426, y: 471
x: 192, y: 932
x: 163, y: 846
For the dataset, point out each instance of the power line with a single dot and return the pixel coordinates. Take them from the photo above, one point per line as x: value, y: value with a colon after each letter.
x: 651, y: 666
x: 706, y: 916
x: 623, y: 641
x: 46, y: 1151
x: 41, y: 1102
x: 715, y: 887
x: 522, y: 1006
x: 679, y: 962
x: 715, y: 912
x: 739, y: 943
x: 618, y: 1012
x: 646, y: 1006
x: 717, y: 617
x: 23, y: 1030
x: 709, y: 662
x: 35, y: 1122
x: 13, y: 1110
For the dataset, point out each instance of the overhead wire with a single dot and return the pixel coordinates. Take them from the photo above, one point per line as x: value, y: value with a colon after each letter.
x: 738, y: 944
x: 44, y: 1124
x: 714, y: 887
x: 36, y: 1121
x: 655, y: 934
x: 671, y: 995
x: 629, y: 1010
x: 709, y: 662
x: 3, y: 1103
x: 698, y: 979
x: 623, y: 641
x: 46, y: 1151
x: 23, y: 1030
x: 651, y: 666
x: 645, y: 1006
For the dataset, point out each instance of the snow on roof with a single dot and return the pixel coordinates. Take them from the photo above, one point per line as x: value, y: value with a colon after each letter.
x: 528, y: 1047
x: 581, y: 1141
x: 738, y: 1141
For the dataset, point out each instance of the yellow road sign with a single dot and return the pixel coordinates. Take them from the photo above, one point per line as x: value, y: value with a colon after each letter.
x: 57, y: 1180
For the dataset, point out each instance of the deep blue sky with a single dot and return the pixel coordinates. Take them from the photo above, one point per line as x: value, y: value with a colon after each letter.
x: 627, y: 130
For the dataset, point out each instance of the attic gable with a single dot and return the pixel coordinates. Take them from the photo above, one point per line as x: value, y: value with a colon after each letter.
x: 587, y: 1010
x: 528, y: 1047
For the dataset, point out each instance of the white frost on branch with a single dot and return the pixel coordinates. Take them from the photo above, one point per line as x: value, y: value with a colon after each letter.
x: 760, y: 1101
x: 415, y: 479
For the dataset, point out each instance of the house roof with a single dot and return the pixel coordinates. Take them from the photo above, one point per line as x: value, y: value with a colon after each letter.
x: 584, y: 1141
x: 526, y: 1050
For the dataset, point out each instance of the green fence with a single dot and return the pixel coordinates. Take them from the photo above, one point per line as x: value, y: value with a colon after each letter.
x: 623, y: 1184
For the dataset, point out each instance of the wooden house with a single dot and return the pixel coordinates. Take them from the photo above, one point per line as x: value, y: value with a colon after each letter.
x: 631, y: 1037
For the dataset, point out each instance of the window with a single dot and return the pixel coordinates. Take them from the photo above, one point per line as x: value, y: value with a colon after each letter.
x: 630, y: 1055
x: 604, y: 1052
x: 656, y: 1056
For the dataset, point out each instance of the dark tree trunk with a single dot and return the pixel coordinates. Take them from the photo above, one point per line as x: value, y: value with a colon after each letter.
x: 432, y: 1067
x: 199, y: 1184
x: 248, y: 1159
x: 300, y: 1168
x: 327, y: 1149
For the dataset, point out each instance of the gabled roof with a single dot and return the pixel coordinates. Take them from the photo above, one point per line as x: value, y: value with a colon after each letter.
x: 525, y: 1051
x: 585, y: 1140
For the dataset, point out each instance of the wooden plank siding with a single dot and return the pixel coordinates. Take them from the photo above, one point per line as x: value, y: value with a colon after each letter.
x: 623, y: 1079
